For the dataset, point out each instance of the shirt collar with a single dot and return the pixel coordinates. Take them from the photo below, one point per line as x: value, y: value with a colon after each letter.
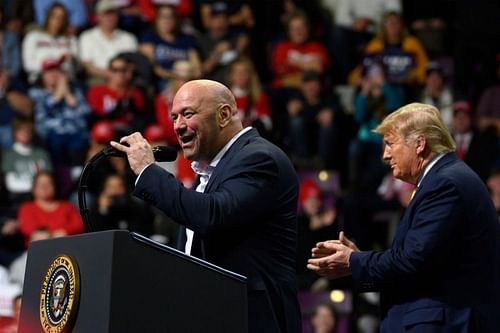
x: 195, y: 165
x: 428, y: 167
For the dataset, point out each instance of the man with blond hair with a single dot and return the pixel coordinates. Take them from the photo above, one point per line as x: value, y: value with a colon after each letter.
x: 442, y: 272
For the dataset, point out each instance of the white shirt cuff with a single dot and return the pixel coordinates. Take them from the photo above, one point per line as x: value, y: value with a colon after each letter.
x: 140, y: 173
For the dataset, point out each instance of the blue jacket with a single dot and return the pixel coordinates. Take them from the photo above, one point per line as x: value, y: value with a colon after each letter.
x: 245, y: 221
x: 442, y: 272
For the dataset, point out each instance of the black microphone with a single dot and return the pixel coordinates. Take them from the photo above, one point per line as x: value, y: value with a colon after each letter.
x: 161, y: 153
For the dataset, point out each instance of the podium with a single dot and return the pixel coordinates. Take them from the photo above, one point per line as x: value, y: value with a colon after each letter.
x: 118, y: 281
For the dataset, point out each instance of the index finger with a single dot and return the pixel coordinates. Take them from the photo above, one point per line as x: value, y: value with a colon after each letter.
x: 127, y: 141
x: 119, y: 146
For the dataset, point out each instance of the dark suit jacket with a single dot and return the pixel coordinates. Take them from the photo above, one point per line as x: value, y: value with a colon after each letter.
x: 441, y: 273
x: 246, y: 220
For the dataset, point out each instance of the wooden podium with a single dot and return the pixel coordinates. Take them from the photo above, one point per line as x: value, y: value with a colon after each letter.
x: 116, y: 281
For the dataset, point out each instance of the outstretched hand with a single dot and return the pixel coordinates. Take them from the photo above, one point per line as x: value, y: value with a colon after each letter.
x: 138, y: 150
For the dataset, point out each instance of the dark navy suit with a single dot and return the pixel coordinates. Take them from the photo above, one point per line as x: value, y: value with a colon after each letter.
x: 441, y: 273
x: 245, y: 221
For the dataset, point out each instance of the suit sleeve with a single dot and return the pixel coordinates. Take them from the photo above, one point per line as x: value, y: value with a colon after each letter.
x: 245, y: 193
x: 424, y: 246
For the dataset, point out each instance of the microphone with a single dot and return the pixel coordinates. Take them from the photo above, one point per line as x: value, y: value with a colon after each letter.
x: 161, y: 153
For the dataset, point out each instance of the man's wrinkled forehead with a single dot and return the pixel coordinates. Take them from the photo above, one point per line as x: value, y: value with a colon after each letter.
x: 187, y: 99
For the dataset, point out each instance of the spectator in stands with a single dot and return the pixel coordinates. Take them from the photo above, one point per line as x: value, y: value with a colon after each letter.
x: 116, y: 209
x: 11, y: 239
x: 296, y: 54
x: 437, y: 93
x: 316, y: 220
x: 60, y: 114
x: 118, y: 100
x: 147, y: 10
x: 12, y: 326
x: 20, y: 14
x: 220, y: 45
x: 376, y: 98
x: 480, y: 150
x: 251, y: 100
x: 46, y: 211
x: 167, y: 44
x: 356, y: 21
x: 10, y: 59
x: 315, y: 123
x: 23, y: 161
x: 76, y: 13
x: 240, y: 13
x: 51, y: 41
x: 324, y: 318
x: 402, y: 55
x: 101, y: 43
x: 13, y: 103
x: 488, y: 108
x: 493, y: 183
x: 131, y: 15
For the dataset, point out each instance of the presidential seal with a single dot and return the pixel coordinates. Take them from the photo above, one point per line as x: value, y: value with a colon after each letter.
x: 59, y: 295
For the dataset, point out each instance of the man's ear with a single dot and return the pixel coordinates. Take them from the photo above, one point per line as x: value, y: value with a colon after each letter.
x: 421, y: 144
x: 224, y: 115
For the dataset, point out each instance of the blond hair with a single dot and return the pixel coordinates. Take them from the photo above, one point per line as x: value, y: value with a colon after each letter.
x: 254, y: 86
x: 417, y: 119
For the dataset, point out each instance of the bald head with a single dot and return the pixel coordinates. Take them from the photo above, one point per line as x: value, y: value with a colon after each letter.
x: 210, y: 91
x: 205, y: 118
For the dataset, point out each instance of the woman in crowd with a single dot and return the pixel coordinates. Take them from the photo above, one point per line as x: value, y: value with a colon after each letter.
x: 167, y: 44
x: 252, y: 102
x: 297, y: 54
x: 47, y: 212
x: 52, y: 41
x: 403, y: 56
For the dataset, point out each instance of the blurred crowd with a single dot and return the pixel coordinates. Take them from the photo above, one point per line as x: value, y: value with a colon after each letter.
x: 314, y: 77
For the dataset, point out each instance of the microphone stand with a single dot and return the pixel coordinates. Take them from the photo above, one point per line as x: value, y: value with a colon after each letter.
x: 82, y: 184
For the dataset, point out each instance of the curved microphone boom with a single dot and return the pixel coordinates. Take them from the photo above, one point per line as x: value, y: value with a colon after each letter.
x: 161, y: 154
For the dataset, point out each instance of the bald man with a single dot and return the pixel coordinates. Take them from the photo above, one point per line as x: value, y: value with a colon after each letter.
x: 241, y: 212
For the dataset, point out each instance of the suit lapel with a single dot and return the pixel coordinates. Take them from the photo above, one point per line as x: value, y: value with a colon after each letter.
x: 409, y: 213
x: 228, y: 156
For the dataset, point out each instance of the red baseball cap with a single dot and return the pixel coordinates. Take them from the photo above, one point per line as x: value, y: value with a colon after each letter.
x: 154, y: 133
x: 102, y: 131
x: 52, y: 63
x: 462, y: 106
x: 308, y: 189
